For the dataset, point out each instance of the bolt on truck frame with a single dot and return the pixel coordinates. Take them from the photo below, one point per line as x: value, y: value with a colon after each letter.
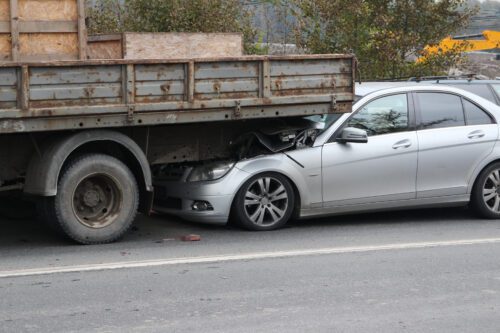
x: 80, y: 137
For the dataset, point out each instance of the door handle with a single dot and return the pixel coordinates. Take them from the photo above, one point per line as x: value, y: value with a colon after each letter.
x: 476, y: 134
x: 402, y: 144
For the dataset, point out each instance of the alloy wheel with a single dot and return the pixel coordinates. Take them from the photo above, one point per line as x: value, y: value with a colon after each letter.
x: 266, y: 201
x: 491, y: 191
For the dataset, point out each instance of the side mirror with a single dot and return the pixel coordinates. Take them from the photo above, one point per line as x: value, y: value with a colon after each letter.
x: 354, y: 135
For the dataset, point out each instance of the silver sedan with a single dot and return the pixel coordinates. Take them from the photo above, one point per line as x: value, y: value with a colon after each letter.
x: 400, y: 148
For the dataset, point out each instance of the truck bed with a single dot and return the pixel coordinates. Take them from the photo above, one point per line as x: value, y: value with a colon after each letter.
x: 52, y: 96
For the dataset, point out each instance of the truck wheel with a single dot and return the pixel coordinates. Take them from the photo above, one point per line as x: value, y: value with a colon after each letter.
x: 97, y: 200
x: 264, y: 202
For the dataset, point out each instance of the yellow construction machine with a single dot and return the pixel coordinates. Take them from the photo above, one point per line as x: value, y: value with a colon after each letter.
x: 488, y: 40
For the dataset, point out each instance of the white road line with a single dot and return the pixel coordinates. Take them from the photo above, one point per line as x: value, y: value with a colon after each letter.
x: 239, y: 257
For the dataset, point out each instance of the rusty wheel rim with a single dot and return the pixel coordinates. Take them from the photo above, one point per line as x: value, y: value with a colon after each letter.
x: 97, y: 201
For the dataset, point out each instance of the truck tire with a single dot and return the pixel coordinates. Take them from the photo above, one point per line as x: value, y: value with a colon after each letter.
x: 45, y: 214
x: 264, y: 202
x: 97, y: 200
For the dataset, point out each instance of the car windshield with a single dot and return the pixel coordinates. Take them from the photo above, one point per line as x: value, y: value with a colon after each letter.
x: 324, y: 121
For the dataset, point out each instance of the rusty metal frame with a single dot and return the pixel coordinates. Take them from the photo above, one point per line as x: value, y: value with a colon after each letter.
x: 128, y: 112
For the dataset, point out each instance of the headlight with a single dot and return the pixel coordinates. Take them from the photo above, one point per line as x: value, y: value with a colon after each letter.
x: 210, y: 171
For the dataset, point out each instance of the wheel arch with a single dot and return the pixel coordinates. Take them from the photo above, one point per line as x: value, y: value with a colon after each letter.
x: 296, y: 192
x: 478, y: 172
x: 46, y: 165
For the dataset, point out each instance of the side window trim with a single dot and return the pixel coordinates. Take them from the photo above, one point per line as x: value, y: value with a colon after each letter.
x: 418, y: 114
x: 496, y: 95
x: 493, y: 121
x: 411, y: 114
x: 463, y: 111
x: 418, y: 108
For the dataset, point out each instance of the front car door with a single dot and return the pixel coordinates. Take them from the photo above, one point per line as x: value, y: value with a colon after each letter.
x: 454, y: 135
x: 381, y: 170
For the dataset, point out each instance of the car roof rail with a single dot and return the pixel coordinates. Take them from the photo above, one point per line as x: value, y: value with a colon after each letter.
x: 469, y: 77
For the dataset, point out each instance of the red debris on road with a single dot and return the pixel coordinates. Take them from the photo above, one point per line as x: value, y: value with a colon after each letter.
x: 191, y: 238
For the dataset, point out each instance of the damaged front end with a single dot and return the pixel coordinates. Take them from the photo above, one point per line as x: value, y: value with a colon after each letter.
x: 276, y: 136
x: 273, y: 140
x: 204, y: 190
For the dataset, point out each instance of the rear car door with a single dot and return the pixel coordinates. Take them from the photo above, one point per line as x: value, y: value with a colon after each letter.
x: 454, y: 135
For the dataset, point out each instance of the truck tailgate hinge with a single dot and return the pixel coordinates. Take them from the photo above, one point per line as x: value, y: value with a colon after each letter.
x: 130, y: 113
x: 237, y: 110
x: 333, y: 105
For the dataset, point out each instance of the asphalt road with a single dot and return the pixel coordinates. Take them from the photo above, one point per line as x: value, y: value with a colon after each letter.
x: 415, y: 271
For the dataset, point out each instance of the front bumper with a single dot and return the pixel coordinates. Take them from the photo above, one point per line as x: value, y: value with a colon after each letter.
x: 177, y: 197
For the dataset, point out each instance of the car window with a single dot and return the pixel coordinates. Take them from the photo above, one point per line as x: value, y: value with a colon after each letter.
x: 382, y: 116
x: 475, y: 115
x: 440, y: 110
x: 479, y: 89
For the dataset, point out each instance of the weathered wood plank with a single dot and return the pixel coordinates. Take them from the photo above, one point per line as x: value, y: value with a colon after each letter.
x: 105, y: 49
x: 48, y: 10
x: 48, y: 26
x: 4, y: 10
x: 4, y: 27
x: 14, y: 30
x: 181, y: 45
x: 64, y: 45
x: 82, y: 31
x: 42, y: 30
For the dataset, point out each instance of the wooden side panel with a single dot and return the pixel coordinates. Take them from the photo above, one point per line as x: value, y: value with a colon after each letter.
x: 5, y: 48
x: 48, y: 10
x: 182, y: 45
x: 104, y: 49
x: 42, y: 30
x: 58, y: 46
x: 4, y: 10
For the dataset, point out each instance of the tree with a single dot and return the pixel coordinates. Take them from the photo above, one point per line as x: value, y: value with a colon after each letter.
x: 107, y: 16
x: 386, y: 35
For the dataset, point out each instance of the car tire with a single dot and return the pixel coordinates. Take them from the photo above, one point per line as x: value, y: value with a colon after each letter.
x: 485, y: 198
x: 97, y: 200
x: 264, y: 202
